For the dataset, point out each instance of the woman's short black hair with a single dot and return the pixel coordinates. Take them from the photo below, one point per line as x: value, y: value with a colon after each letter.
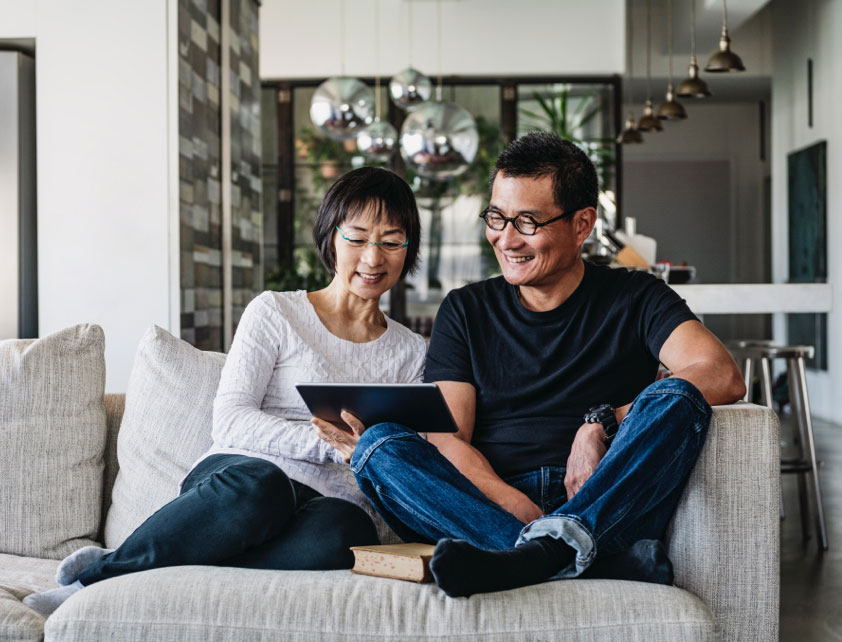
x: 537, y: 154
x: 384, y: 194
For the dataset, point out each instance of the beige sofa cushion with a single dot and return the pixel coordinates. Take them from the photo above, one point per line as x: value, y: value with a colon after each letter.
x: 52, y: 438
x: 166, y: 427
x: 20, y: 576
x: 207, y: 604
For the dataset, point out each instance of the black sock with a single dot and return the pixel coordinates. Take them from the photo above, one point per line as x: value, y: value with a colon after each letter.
x: 461, y: 569
x: 645, y: 561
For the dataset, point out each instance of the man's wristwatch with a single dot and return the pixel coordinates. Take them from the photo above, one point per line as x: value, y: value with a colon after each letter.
x: 603, y: 414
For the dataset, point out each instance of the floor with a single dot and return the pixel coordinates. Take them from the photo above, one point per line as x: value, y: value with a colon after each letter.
x: 811, y: 582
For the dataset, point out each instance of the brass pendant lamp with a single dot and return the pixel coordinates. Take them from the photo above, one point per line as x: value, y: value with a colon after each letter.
x: 649, y: 122
x: 724, y: 59
x: 629, y: 133
x: 671, y: 109
x: 693, y: 87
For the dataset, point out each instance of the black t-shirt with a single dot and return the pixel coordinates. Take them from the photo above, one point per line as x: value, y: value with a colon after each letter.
x: 537, y: 373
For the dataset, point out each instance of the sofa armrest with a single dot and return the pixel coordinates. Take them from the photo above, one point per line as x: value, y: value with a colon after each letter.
x: 115, y: 405
x: 724, y: 539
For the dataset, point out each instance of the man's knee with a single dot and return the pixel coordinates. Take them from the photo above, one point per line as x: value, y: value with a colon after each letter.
x: 675, y: 396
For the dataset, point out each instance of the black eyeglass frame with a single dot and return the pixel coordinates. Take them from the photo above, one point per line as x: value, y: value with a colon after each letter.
x: 484, y: 216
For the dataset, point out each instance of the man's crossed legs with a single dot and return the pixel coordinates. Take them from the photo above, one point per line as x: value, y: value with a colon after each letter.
x: 481, y: 547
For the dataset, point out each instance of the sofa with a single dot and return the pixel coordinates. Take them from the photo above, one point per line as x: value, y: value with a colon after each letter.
x: 78, y: 466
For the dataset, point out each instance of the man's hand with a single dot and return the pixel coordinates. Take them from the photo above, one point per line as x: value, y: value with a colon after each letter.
x: 587, y: 451
x: 342, y: 439
x: 521, y: 506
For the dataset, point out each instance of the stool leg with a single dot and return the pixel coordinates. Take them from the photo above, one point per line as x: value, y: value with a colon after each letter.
x: 811, y: 445
x: 796, y: 402
x: 747, y: 372
x: 770, y: 403
x: 767, y: 383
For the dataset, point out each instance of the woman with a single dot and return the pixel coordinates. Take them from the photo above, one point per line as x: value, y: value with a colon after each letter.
x: 270, y: 493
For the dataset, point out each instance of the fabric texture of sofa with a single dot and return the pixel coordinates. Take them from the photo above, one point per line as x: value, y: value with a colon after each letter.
x: 58, y: 431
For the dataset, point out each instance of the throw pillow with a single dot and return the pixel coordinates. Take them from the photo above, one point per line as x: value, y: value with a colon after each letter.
x: 166, y: 427
x: 52, y: 438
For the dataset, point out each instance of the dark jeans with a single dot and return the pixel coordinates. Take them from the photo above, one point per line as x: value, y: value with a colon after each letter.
x: 242, y: 511
x: 631, y: 495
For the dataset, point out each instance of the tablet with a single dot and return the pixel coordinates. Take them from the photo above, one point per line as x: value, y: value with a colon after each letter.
x: 419, y: 406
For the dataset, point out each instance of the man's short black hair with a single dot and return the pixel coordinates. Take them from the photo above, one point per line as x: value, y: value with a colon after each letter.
x: 537, y: 154
x: 383, y: 192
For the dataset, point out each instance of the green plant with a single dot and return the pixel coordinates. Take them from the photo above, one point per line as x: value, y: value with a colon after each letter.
x: 557, y: 116
x: 308, y: 273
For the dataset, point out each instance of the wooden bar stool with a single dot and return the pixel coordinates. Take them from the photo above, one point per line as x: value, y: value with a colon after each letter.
x: 748, y: 353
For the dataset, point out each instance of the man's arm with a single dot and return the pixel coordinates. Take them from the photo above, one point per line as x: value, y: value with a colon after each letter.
x: 694, y: 354
x: 461, y: 398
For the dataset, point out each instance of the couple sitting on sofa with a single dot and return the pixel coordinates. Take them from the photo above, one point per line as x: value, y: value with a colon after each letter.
x: 569, y: 460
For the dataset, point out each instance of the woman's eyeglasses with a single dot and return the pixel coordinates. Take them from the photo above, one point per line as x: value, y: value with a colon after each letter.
x: 386, y: 246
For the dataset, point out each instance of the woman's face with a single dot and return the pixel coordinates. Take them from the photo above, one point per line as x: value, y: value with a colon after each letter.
x: 365, y: 269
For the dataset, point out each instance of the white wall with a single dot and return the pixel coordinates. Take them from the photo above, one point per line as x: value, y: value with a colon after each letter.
x: 301, y: 38
x: 103, y: 187
x: 805, y: 30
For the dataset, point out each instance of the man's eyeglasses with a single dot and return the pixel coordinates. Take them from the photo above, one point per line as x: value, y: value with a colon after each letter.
x: 523, y: 223
x: 386, y: 246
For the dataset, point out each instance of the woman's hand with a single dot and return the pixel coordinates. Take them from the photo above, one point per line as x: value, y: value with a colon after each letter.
x: 342, y: 439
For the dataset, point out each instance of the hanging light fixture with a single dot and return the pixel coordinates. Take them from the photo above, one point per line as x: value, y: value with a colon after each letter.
x: 649, y: 122
x: 341, y: 106
x: 409, y: 88
x: 377, y: 140
x: 724, y: 59
x: 693, y: 87
x: 670, y: 109
x: 629, y: 133
x: 439, y: 140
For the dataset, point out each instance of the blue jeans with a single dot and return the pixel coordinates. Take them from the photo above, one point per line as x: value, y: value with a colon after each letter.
x: 242, y: 511
x: 631, y: 495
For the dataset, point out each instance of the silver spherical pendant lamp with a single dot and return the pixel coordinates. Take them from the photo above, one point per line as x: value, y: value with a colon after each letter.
x: 341, y: 107
x: 377, y: 140
x: 439, y: 140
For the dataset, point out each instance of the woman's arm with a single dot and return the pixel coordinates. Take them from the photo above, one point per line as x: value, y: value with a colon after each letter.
x: 238, y: 421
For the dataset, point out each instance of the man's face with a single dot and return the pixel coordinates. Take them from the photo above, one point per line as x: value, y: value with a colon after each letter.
x: 542, y: 259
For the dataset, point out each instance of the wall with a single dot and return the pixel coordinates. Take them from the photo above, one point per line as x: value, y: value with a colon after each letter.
x: 103, y: 188
x: 805, y: 30
x: 723, y: 133
x: 479, y: 37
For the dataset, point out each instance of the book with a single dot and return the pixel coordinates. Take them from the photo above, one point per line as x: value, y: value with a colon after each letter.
x: 397, y: 561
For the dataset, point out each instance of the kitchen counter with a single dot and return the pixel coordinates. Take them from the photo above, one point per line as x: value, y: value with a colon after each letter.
x: 757, y: 298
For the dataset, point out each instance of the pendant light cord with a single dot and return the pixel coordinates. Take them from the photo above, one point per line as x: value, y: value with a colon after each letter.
x: 724, y: 16
x: 376, y: 59
x: 438, y: 46
x: 342, y: 36
x: 693, y: 29
x: 630, y: 29
x: 669, y: 34
x: 409, y: 35
x: 649, y: 50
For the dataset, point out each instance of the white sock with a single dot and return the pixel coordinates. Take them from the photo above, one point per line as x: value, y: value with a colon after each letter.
x: 72, y: 565
x: 48, y: 601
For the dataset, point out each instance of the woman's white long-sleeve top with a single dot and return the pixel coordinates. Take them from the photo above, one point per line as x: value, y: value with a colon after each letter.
x: 280, y: 341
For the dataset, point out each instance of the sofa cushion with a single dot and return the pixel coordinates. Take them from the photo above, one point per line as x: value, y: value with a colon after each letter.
x: 166, y: 427
x: 52, y: 438
x: 20, y: 576
x: 227, y: 604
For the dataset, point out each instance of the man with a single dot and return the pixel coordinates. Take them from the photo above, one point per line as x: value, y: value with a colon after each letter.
x: 528, y: 490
